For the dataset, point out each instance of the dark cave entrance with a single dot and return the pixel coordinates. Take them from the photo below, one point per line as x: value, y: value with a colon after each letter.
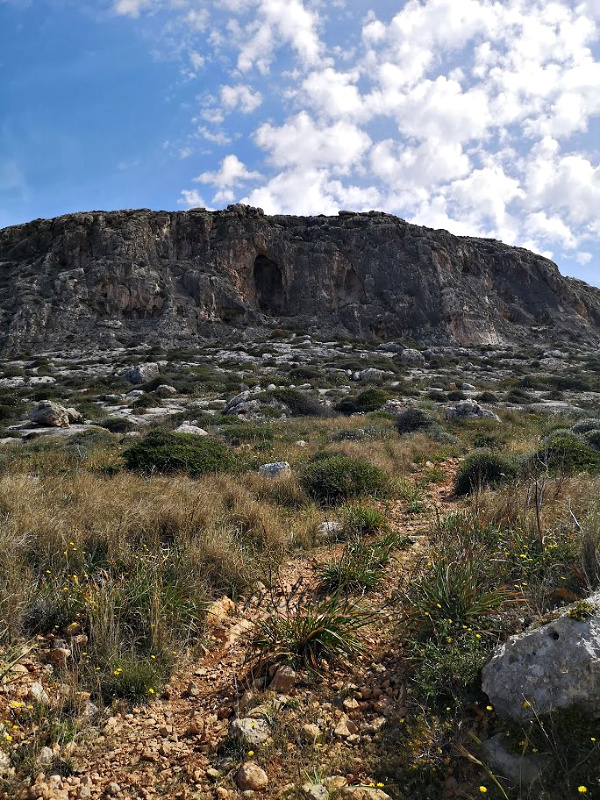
x: 268, y: 279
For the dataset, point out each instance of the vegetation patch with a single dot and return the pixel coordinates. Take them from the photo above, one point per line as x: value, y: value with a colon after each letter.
x: 334, y: 478
x: 162, y: 451
x: 483, y: 468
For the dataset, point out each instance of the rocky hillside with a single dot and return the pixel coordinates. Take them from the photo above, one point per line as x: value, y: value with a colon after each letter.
x: 176, y: 277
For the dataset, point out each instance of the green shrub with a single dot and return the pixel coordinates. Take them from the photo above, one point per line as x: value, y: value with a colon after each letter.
x: 456, y: 394
x: 334, y: 478
x: 161, y: 451
x: 487, y: 397
x: 592, y: 438
x: 565, y: 453
x: 413, y: 419
x: 483, y: 468
x: 300, y: 404
x: 586, y: 425
x: 369, y: 400
x: 360, y: 565
x: 117, y: 424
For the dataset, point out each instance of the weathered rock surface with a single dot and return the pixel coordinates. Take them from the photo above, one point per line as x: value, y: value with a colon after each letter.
x: 275, y: 469
x: 469, y: 409
x: 554, y: 666
x: 142, y: 373
x: 49, y: 414
x: 175, y: 277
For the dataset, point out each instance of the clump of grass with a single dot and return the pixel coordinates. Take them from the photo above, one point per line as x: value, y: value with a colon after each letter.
x: 454, y: 593
x: 483, y: 468
x: 413, y: 419
x: 360, y: 565
x: 310, y: 632
x: 161, y: 451
x: 362, y: 520
x: 334, y: 478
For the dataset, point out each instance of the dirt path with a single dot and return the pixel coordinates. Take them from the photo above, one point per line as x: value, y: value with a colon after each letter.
x: 176, y: 747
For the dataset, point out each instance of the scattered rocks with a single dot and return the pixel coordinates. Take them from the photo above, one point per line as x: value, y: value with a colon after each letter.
x: 345, y: 728
x: 251, y: 777
x: 554, y: 666
x: 219, y: 610
x: 50, y: 415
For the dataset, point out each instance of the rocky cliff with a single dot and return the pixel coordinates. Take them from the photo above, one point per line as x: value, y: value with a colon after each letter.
x: 175, y: 277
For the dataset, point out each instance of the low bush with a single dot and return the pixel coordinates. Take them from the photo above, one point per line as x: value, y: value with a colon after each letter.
x: 586, y: 425
x: 300, y: 404
x: 592, y: 438
x: 483, y: 468
x: 334, y: 478
x: 369, y: 400
x: 117, y: 424
x: 413, y: 419
x: 565, y: 453
x: 161, y: 451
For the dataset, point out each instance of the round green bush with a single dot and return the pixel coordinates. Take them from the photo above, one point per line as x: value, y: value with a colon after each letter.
x: 299, y: 403
x: 117, y: 424
x: 161, y: 451
x: 369, y: 400
x: 586, y: 425
x: 483, y: 468
x: 413, y: 419
x: 592, y: 438
x: 334, y: 478
x: 566, y: 453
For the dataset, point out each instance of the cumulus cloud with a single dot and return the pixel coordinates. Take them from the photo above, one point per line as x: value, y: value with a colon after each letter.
x: 480, y: 116
x: 231, y: 174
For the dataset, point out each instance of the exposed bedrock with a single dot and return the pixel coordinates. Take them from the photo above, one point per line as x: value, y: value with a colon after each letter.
x: 176, y: 277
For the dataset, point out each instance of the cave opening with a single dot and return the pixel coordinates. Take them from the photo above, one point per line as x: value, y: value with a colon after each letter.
x: 268, y: 279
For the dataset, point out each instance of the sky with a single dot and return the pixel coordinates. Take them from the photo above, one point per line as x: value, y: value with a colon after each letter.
x: 481, y: 117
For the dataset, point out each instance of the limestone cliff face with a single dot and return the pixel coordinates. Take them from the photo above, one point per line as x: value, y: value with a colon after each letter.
x: 174, y: 277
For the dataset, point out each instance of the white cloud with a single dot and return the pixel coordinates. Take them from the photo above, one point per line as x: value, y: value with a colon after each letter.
x: 240, y: 97
x: 192, y: 199
x: 132, y: 8
x: 301, y: 142
x: 231, y: 174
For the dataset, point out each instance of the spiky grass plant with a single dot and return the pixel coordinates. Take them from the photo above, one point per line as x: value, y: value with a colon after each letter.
x: 307, y: 633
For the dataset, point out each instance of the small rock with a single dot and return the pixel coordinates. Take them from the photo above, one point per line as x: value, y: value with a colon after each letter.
x: 275, y: 469
x: 59, y: 656
x: 363, y: 793
x: 251, y: 776
x: 45, y: 755
x: 113, y: 789
x: 75, y: 417
x: 330, y: 529
x: 345, y: 728
x: 350, y: 704
x: 315, y: 791
x: 412, y: 358
x: 310, y: 732
x: 187, y: 427
x: 284, y: 680
x: 37, y: 694
x: 219, y: 610
x: 142, y: 373
x: 252, y: 732
x: 522, y: 769
x: 193, y: 689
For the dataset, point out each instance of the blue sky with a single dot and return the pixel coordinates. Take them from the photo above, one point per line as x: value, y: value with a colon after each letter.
x: 478, y: 116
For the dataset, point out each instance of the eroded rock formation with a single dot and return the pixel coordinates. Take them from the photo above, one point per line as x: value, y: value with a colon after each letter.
x: 174, y: 277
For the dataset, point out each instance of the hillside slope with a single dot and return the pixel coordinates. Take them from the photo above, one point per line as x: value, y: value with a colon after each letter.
x: 173, y: 277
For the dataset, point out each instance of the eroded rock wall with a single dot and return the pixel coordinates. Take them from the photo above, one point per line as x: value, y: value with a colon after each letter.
x: 174, y: 277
